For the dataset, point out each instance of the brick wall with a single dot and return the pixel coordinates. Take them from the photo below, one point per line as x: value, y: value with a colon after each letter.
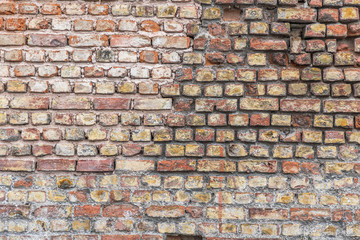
x: 224, y: 119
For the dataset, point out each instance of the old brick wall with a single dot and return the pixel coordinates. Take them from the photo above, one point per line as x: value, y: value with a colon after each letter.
x: 220, y: 119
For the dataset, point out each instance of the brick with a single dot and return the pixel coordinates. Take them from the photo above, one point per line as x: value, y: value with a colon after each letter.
x: 50, y: 9
x: 171, y: 42
x: 261, y: 104
x: 83, y: 25
x: 261, y: 119
x: 267, y: 44
x: 70, y: 103
x: 88, y: 41
x: 257, y: 166
x: 308, y: 214
x: 259, y: 28
x: 128, y: 165
x: 55, y: 165
x: 176, y: 165
x: 111, y: 103
x: 15, y: 24
x: 328, y: 15
x: 98, y: 9
x: 129, y: 41
x: 303, y: 105
x: 32, y: 103
x: 336, y: 30
x: 152, y: 104
x: 121, y: 210
x: 216, y: 166
x: 75, y: 9
x: 7, y: 8
x: 95, y: 165
x: 226, y: 213
x: 349, y: 14
x: 297, y: 14
x: 315, y: 30
x: 165, y: 211
x: 17, y: 165
x: 341, y: 106
x: 12, y: 40
x: 268, y: 213
x: 220, y: 44
x: 149, y: 26
x: 47, y: 40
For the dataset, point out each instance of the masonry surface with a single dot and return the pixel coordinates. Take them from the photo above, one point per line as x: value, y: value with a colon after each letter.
x: 155, y: 120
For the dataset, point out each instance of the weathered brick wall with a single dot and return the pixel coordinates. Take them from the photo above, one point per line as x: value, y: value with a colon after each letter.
x: 137, y: 120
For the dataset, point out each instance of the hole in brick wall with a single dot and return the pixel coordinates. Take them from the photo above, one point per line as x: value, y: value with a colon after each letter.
x: 184, y: 237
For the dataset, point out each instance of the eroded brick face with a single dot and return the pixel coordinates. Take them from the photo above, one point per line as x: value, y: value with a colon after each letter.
x: 220, y: 119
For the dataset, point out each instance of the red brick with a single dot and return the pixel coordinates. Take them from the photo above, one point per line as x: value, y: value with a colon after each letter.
x: 14, y: 211
x: 193, y: 211
x: 220, y: 44
x: 290, y: 167
x: 80, y: 196
x: 300, y: 105
x: 56, y: 165
x: 149, y: 57
x: 111, y: 103
x: 336, y: 30
x: 7, y: 8
x: 342, y: 215
x: 149, y: 26
x: 120, y: 211
x: 268, y: 44
x: 309, y: 214
x: 260, y: 119
x: 98, y: 9
x: 328, y: 15
x: 310, y: 168
x: 17, y: 165
x: 15, y: 24
x: 26, y: 182
x: 87, y: 211
x: 93, y: 72
x: 106, y: 165
x: 176, y: 165
x: 41, y: 150
x: 172, y: 211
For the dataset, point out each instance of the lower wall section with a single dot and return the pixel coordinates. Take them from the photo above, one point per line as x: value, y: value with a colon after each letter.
x: 151, y: 206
